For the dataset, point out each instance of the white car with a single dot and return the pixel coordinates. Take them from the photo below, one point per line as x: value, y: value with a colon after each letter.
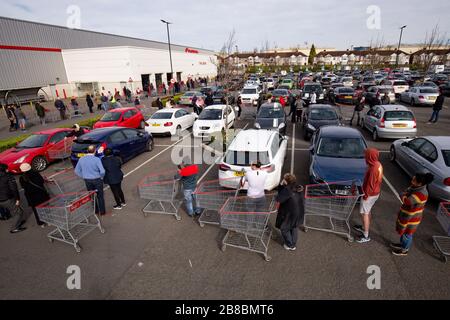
x: 270, y: 83
x: 170, y: 121
x: 400, y: 86
x: 420, y: 96
x: 347, y: 81
x: 269, y: 147
x: 250, y: 95
x: 212, y: 119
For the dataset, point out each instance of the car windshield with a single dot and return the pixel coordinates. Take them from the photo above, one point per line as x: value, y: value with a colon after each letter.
x: 386, y: 90
x: 312, y: 89
x: 398, y: 115
x: 341, y: 147
x: 271, y: 113
x: 428, y: 90
x: 211, y: 114
x: 190, y: 94
x: 280, y: 92
x: 162, y: 115
x: 248, y: 91
x: 111, y: 116
x: 34, y: 141
x: 346, y: 79
x: 446, y: 155
x: 346, y: 90
x: 246, y: 158
x: 322, y: 114
x: 400, y: 83
x: 368, y: 79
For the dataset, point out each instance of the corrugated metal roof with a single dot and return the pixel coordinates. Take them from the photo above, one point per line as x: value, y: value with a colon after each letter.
x: 28, y: 33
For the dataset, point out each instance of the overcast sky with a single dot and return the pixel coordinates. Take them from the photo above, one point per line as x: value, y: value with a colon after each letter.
x: 283, y: 23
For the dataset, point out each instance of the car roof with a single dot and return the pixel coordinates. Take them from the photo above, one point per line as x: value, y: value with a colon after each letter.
x: 52, y: 131
x: 102, y: 132
x: 271, y: 105
x: 393, y: 107
x: 252, y: 140
x: 339, y: 131
x: 251, y: 87
x: 122, y: 109
x: 443, y: 142
x: 169, y: 110
x: 216, y: 106
x: 321, y: 106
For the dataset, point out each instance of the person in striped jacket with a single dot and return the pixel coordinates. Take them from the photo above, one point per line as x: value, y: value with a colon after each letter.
x: 411, y: 212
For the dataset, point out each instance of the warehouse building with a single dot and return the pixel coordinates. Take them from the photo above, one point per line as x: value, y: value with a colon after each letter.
x: 41, y: 59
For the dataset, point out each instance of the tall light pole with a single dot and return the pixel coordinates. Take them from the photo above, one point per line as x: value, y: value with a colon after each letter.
x: 170, y: 51
x: 399, y: 43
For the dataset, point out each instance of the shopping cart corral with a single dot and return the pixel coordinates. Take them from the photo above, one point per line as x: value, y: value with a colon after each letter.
x: 247, y: 223
x: 442, y: 243
x: 73, y: 215
x: 164, y: 193
x: 211, y: 197
x: 328, y: 206
x: 65, y: 181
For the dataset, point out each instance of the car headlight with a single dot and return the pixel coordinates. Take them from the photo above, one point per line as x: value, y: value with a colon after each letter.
x: 257, y: 125
x: 21, y: 159
x: 281, y: 126
x: 311, y: 127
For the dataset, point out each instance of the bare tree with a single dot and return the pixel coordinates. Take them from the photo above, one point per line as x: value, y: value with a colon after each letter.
x: 434, y: 40
x: 374, y: 57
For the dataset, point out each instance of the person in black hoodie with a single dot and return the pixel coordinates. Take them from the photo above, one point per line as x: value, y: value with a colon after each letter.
x: 10, y: 199
x: 437, y: 107
x: 33, y: 185
x: 113, y: 177
x: 209, y: 101
x: 290, y: 210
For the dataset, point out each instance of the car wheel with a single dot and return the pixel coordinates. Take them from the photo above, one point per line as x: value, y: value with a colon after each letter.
x: 39, y: 164
x: 392, y: 154
x: 142, y: 125
x: 375, y: 135
x: 149, y: 145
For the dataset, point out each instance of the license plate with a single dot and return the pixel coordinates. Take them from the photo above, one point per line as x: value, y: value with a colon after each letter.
x: 399, y: 125
x: 347, y: 97
x: 432, y: 98
x: 155, y: 124
x: 239, y: 174
x: 80, y: 155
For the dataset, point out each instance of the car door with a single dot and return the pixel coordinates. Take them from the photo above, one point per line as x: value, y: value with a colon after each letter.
x: 368, y: 119
x: 119, y: 143
x: 427, y: 156
x: 127, y: 119
x: 187, y: 118
x: 407, y: 154
x: 58, y: 143
x: 231, y: 115
x: 135, y: 141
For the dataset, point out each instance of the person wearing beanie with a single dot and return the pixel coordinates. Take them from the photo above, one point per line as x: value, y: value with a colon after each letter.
x: 76, y: 132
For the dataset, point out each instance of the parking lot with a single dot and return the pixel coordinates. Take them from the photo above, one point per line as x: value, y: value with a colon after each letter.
x: 157, y: 257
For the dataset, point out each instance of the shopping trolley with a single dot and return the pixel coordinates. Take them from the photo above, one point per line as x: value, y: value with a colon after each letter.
x: 246, y: 220
x: 163, y: 191
x: 442, y: 243
x: 211, y: 196
x: 328, y: 206
x: 73, y: 215
x: 65, y: 181
x: 58, y: 152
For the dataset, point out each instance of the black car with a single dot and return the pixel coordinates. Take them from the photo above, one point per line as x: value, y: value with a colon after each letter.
x: 311, y: 87
x: 319, y: 115
x: 208, y: 90
x: 271, y: 116
x: 331, y: 89
x: 220, y: 97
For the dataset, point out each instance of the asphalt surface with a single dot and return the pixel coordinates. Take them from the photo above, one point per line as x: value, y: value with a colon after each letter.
x: 157, y: 257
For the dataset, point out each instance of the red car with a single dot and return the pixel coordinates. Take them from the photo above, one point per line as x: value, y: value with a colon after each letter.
x: 122, y: 117
x: 38, y: 150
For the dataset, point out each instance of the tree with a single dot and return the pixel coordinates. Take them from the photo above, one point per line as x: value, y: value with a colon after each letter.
x: 433, y: 40
x: 374, y: 57
x: 312, y: 55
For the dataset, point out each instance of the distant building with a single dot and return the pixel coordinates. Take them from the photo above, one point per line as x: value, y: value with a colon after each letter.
x: 286, y: 58
x: 361, y: 57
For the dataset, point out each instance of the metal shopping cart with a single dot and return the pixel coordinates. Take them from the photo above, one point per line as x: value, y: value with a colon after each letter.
x: 65, y: 181
x: 328, y: 206
x: 246, y: 220
x: 61, y: 152
x: 73, y: 215
x: 163, y: 191
x: 211, y: 197
x: 442, y: 243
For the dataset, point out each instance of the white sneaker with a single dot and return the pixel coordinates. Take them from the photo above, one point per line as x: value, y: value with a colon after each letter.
x: 286, y: 247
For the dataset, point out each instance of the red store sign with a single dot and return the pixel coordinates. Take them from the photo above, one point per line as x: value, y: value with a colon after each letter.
x: 188, y: 50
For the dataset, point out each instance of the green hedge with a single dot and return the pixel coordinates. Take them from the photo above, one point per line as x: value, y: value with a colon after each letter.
x: 84, y: 123
x: 11, y: 142
x: 176, y: 98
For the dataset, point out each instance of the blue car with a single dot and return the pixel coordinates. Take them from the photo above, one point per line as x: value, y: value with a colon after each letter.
x: 337, y: 154
x: 125, y: 143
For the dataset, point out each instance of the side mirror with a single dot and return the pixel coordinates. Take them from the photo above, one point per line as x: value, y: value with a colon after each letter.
x: 140, y: 134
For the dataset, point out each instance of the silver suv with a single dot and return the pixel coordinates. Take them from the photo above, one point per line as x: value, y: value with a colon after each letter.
x: 391, y: 122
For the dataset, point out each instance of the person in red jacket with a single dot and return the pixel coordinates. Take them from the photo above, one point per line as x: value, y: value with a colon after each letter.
x: 371, y: 188
x: 282, y: 101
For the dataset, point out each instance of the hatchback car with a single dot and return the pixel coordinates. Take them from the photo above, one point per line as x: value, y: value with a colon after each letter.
x: 337, y: 154
x: 186, y: 98
x: 319, y: 115
x: 122, y: 117
x: 430, y: 153
x: 311, y: 87
x: 250, y: 95
x: 220, y: 97
x: 374, y: 94
x: 267, y: 146
x: 170, y: 121
x: 390, y: 121
x: 125, y: 143
x: 420, y: 96
x: 37, y: 150
x: 344, y: 95
x: 213, y: 119
x: 271, y: 116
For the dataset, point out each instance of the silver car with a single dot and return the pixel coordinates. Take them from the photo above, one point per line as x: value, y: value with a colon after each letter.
x: 431, y: 153
x: 186, y: 99
x: 390, y: 121
x: 420, y: 96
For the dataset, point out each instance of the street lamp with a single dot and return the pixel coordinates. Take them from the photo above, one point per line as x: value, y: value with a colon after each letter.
x: 170, y: 51
x: 399, y: 43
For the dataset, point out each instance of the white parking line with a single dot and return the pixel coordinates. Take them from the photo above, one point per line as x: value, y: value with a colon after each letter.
x: 392, y: 189
x: 212, y: 165
x: 293, y: 149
